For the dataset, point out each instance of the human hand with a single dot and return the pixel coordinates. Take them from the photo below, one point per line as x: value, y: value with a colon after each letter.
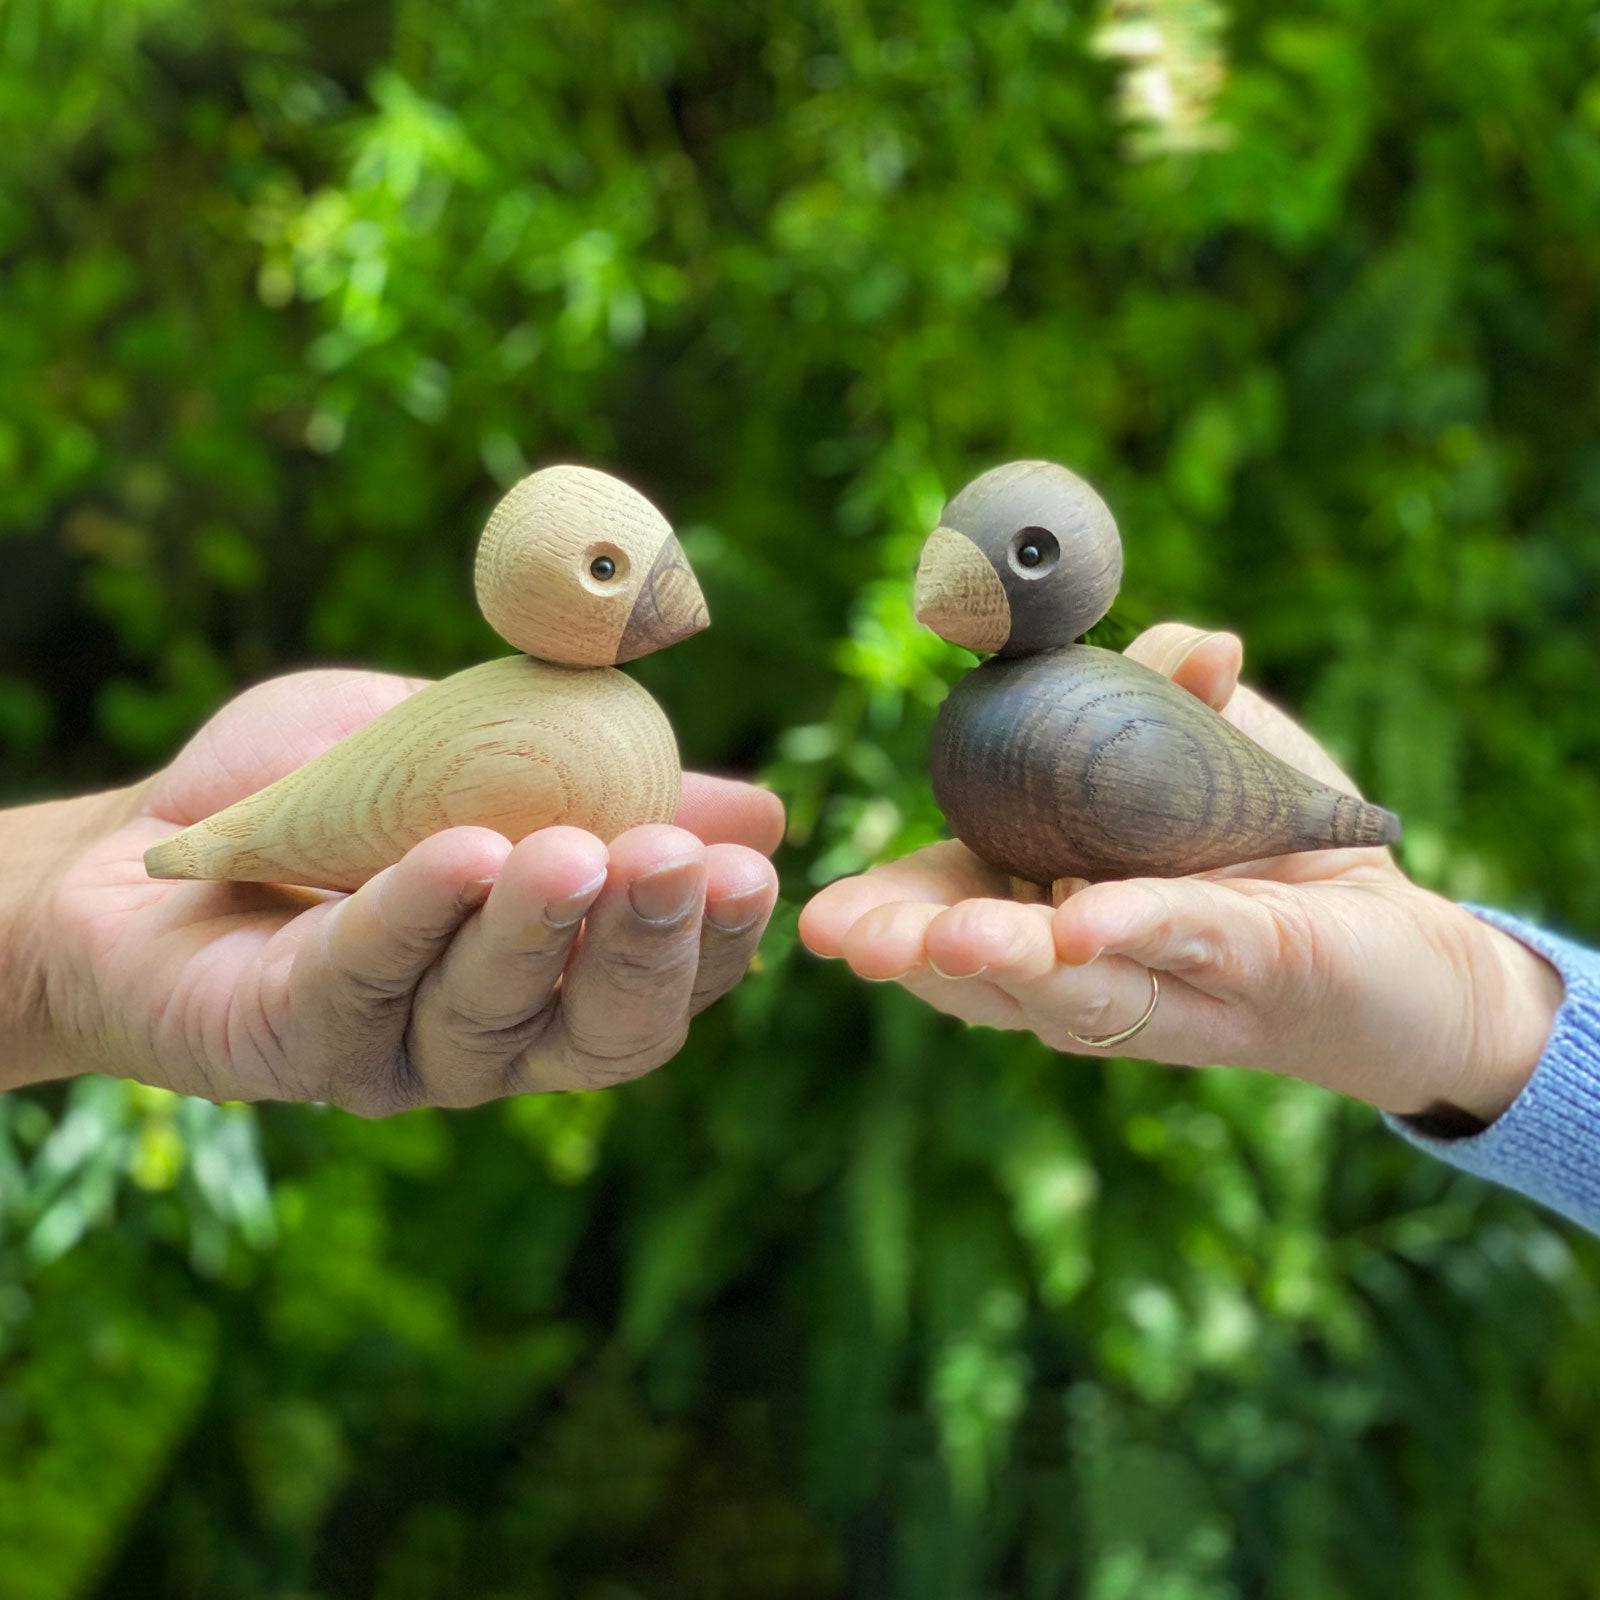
x: 469, y: 970
x: 1330, y: 966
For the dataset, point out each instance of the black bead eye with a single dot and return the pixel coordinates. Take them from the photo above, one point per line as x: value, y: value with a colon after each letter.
x: 603, y: 568
x: 1034, y: 551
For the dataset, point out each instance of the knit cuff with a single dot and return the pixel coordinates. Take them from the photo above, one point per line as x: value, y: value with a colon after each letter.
x: 1546, y: 1144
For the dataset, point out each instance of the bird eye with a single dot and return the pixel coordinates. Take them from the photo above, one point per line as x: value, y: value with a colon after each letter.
x: 604, y: 569
x: 1034, y: 551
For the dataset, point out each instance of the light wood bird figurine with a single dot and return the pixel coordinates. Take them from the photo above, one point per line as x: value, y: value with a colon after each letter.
x: 1056, y: 760
x: 578, y: 571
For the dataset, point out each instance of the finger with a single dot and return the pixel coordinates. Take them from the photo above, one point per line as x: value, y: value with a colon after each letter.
x: 492, y: 993
x: 625, y: 995
x: 741, y: 890
x: 725, y: 811
x: 1223, y: 937
x: 974, y: 1000
x: 1010, y: 951
x: 974, y: 951
x: 941, y: 874
x: 1070, y: 1007
x: 889, y: 944
x: 998, y: 939
x: 352, y: 983
x: 886, y: 942
x: 994, y: 962
x: 979, y: 956
x: 1020, y: 989
x: 1206, y: 664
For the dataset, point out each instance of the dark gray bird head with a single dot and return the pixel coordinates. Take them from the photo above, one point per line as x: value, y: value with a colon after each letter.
x: 1025, y: 558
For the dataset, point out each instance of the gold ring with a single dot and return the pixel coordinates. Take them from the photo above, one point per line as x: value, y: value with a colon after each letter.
x: 1127, y: 1033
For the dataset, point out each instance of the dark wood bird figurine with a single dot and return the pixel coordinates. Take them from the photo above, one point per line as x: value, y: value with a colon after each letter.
x: 579, y: 571
x: 1056, y: 760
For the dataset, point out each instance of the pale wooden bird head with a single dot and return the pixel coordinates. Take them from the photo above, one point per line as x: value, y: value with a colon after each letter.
x: 577, y: 568
x: 1025, y: 558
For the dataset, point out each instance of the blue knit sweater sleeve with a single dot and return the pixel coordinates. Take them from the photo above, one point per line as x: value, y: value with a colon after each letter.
x: 1546, y: 1144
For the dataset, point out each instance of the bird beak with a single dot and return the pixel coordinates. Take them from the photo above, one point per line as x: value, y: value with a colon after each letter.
x: 959, y: 595
x: 669, y: 605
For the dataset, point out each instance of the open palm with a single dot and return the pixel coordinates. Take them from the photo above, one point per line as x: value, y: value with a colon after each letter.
x: 1327, y: 965
x: 468, y: 970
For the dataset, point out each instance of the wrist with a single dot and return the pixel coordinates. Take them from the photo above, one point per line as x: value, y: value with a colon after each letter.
x: 1514, y: 996
x: 38, y: 843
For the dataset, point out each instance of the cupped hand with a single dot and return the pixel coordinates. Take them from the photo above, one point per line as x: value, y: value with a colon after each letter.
x: 1327, y: 965
x: 469, y: 970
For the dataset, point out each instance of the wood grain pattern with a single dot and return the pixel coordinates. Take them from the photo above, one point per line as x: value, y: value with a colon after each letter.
x: 1078, y: 763
x: 959, y: 594
x: 514, y: 745
x: 536, y: 571
x: 668, y: 606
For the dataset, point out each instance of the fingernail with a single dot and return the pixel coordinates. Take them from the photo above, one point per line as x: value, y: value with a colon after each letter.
x: 563, y: 913
x: 898, y: 977
x: 737, y: 912
x: 668, y: 893
x: 474, y: 894
x: 956, y: 977
x: 1091, y: 961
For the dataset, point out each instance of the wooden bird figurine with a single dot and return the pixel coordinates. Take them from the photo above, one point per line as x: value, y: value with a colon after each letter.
x: 1056, y: 760
x: 579, y: 571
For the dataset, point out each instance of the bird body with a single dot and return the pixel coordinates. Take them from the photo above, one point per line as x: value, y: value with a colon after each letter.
x: 575, y: 568
x: 1056, y: 760
x: 1079, y: 763
x: 514, y: 745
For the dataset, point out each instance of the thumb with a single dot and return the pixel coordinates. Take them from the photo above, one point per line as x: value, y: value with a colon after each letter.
x: 266, y: 732
x: 725, y: 811
x: 1206, y: 664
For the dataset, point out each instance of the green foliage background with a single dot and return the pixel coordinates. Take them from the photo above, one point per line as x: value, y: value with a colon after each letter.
x: 847, y: 1301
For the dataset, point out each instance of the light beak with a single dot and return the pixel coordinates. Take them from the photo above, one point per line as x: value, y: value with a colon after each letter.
x: 959, y: 595
x: 668, y: 607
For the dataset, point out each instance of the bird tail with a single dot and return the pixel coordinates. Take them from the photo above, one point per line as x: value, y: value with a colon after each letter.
x: 176, y: 857
x: 1357, y: 822
x: 204, y: 850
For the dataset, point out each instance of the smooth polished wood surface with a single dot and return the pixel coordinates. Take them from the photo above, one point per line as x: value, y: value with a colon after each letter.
x: 514, y: 745
x: 1079, y: 763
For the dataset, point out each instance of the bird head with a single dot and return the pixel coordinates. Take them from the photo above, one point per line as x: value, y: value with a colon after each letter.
x: 1025, y: 558
x: 575, y: 567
